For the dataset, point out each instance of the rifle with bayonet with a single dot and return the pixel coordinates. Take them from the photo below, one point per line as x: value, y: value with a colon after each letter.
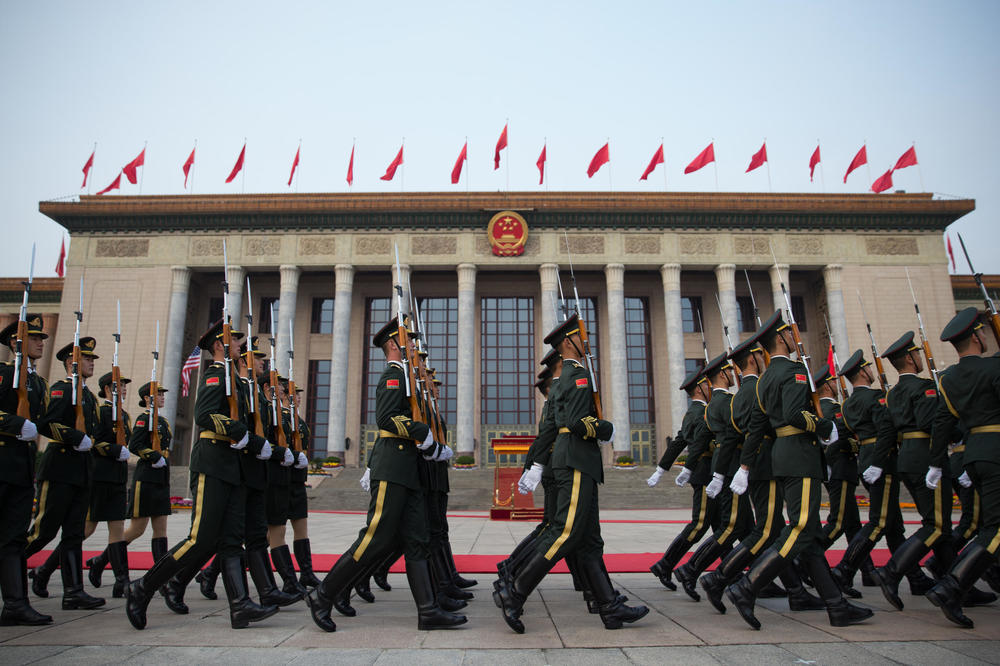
x: 154, y: 392
x: 990, y: 306
x: 704, y: 345
x: 117, y: 418
x: 80, y: 423
x: 882, y: 379
x: 585, y: 338
x: 737, y: 377
x: 923, y: 335
x: 423, y: 373
x: 276, y: 425
x: 841, y: 384
x: 227, y: 338
x: 403, y: 340
x: 251, y: 360
x: 20, y: 358
x: 756, y: 314
x: 292, y: 409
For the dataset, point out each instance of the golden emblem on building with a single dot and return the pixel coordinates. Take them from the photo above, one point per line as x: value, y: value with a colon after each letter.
x: 507, y: 232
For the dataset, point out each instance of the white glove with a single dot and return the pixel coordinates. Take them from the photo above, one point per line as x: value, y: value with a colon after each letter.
x: 265, y: 451
x: 366, y: 480
x: 829, y: 472
x: 521, y: 488
x: 610, y: 439
x: 444, y: 454
x: 29, y: 431
x: 303, y: 462
x: 242, y: 443
x: 964, y: 480
x: 714, y: 486
x: 683, y: 477
x: 162, y: 462
x: 933, y: 477
x: 428, y: 441
x: 740, y: 482
x: 530, y: 479
x: 123, y: 455
x: 834, y: 436
x: 654, y: 478
x: 289, y: 458
x: 84, y: 445
x: 872, y: 474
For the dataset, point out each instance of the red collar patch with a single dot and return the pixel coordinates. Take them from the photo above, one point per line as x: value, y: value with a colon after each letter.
x: 57, y: 394
x: 392, y: 383
x: 581, y: 382
x: 800, y: 379
x: 212, y: 381
x: 931, y: 393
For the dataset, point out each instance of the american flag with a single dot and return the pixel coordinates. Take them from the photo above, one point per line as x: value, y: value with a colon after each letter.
x: 192, y: 362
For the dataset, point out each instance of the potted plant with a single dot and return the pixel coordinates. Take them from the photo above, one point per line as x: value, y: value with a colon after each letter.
x: 625, y: 462
x: 463, y: 462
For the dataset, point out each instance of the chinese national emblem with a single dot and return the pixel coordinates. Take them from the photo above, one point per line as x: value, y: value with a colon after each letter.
x: 508, y: 232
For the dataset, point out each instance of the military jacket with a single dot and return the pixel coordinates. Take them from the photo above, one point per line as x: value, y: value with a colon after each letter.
x: 862, y: 411
x: 299, y: 476
x: 728, y: 440
x: 842, y: 455
x: 17, y: 458
x: 574, y: 410
x: 756, y: 453
x: 970, y: 392
x: 254, y: 470
x: 213, y: 454
x: 701, y: 444
x: 675, y: 446
x: 107, y: 468
x: 141, y: 444
x: 910, y: 408
x: 785, y: 406
x: 541, y: 448
x: 61, y: 462
x: 395, y: 455
x: 278, y: 474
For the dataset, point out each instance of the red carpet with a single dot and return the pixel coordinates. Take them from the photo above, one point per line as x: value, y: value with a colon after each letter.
x: 475, y: 564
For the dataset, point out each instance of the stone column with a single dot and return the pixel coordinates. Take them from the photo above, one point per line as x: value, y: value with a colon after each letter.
x: 613, y: 348
x: 725, y: 276
x: 339, y: 362
x: 174, y: 353
x: 779, y: 275
x: 237, y: 280
x: 288, y: 294
x: 671, y: 274
x: 835, y: 305
x: 467, y: 346
x: 550, y: 297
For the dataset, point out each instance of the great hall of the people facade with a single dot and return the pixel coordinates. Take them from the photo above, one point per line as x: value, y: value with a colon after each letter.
x: 647, y: 265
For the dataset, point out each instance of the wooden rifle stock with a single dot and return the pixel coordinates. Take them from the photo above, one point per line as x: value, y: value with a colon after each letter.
x: 258, y: 424
x: 995, y: 325
x: 279, y: 428
x: 119, y: 425
x: 403, y: 339
x: 585, y: 338
x: 23, y: 408
x: 154, y: 416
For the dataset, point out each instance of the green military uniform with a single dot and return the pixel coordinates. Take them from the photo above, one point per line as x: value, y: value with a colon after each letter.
x: 150, y: 493
x: 279, y: 476
x: 298, y: 503
x: 842, y: 464
x: 108, y: 493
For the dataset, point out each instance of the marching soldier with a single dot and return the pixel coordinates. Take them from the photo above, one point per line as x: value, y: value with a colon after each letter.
x: 783, y: 405
x: 17, y: 469
x: 217, y: 516
x: 65, y: 475
x: 970, y: 392
x: 298, y: 505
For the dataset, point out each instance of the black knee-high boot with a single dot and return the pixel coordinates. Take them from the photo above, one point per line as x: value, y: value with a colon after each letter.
x: 206, y: 579
x: 687, y: 574
x: 140, y: 592
x: 729, y: 570
x: 40, y: 575
x: 263, y: 579
x: 321, y: 597
x: 663, y: 568
x: 74, y: 597
x: 303, y: 556
x: 96, y: 567
x: 799, y: 598
x: 159, y: 548
x: 242, y: 611
x: 510, y: 598
x: 947, y: 595
x: 612, y: 609
x: 282, y: 559
x: 743, y: 593
x: 840, y: 611
x: 14, y: 588
x: 429, y: 614
x: 118, y: 555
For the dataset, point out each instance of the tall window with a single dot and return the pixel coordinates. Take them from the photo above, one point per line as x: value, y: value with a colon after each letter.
x: 318, y: 408
x: 322, y: 315
x: 507, y: 359
x: 264, y: 314
x: 439, y: 317
x: 748, y: 323
x: 691, y: 314
x: 799, y: 311
x: 640, y: 377
x: 378, y: 311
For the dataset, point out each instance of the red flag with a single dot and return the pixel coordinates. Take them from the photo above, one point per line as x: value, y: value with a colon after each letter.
x: 951, y: 253
x: 829, y: 361
x: 813, y: 161
x: 295, y: 163
x: 456, y: 171
x: 60, y: 270
x: 129, y: 169
x: 541, y: 166
x: 115, y: 185
x: 87, y: 167
x: 758, y: 158
x: 909, y: 158
x: 350, y: 168
x: 188, y: 163
x: 601, y: 157
x: 657, y: 159
x: 501, y: 144
x: 883, y: 182
x: 704, y: 158
x: 390, y: 171
x: 239, y: 164
x: 859, y: 159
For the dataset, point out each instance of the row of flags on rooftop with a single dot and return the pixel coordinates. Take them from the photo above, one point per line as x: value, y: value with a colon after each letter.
x: 600, y: 158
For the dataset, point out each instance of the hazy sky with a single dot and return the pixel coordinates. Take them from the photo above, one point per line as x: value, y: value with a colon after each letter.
x: 574, y: 73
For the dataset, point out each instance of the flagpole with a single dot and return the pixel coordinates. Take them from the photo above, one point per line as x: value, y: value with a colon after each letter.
x: 143, y: 175
x: 822, y: 172
x: 506, y: 123
x: 90, y: 180
x: 243, y: 180
x: 610, y: 187
x: 468, y: 164
x: 402, y: 176
x: 868, y: 165
x: 350, y: 185
x: 769, y: 188
x: 298, y: 168
x: 664, y: 166
x: 715, y: 166
x: 545, y: 147
x: 192, y: 165
x: 919, y: 170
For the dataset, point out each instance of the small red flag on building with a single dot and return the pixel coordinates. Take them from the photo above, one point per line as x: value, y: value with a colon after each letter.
x: 657, y: 159
x: 501, y: 144
x: 758, y: 158
x: 390, y: 171
x: 829, y: 360
x: 129, y: 169
x: 813, y: 161
x: 295, y: 163
x: 87, y: 167
x: 188, y: 163
x: 456, y: 171
x: 60, y: 264
x: 116, y: 184
x: 540, y: 163
x: 239, y: 164
x: 600, y: 158
x: 704, y: 158
x: 883, y: 182
x: 909, y: 158
x: 951, y: 253
x: 859, y: 159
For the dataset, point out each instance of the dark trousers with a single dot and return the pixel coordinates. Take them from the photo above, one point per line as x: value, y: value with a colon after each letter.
x: 14, y: 518
x: 968, y: 522
x: 735, y: 516
x: 255, y: 519
x: 217, y: 522
x: 934, y: 507
x: 576, y: 525
x: 884, y: 517
x: 395, y: 514
x: 804, y: 532
x: 703, y: 515
x: 844, y: 517
x: 60, y: 506
x: 437, y: 518
x: 768, y: 500
x: 986, y: 480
